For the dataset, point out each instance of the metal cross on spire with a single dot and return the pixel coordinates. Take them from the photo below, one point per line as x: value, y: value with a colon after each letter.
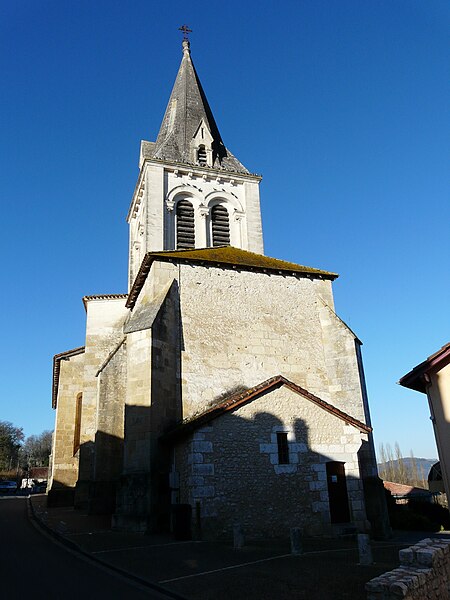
x: 186, y: 31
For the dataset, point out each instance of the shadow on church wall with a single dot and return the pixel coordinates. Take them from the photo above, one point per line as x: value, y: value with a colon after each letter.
x: 230, y: 471
x: 144, y: 494
x: 231, y: 475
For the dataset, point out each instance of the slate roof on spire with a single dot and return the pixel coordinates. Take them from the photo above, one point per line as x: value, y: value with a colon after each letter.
x: 185, y: 111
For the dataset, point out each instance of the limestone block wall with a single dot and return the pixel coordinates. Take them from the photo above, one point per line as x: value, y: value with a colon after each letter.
x: 110, y: 417
x: 424, y: 572
x: 341, y: 363
x: 137, y: 404
x: 231, y: 468
x: 242, y: 328
x: 133, y: 494
x: 148, y: 350
x: 153, y: 402
x: 104, y: 329
x: 64, y: 460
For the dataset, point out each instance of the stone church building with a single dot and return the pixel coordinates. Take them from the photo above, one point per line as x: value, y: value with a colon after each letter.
x: 223, y: 381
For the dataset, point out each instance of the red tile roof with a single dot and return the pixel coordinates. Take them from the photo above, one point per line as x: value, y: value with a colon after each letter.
x: 401, y: 490
x: 236, y: 400
x: 104, y: 297
x: 415, y: 379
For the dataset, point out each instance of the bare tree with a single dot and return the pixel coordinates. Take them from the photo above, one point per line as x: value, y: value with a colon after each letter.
x: 11, y: 438
x: 36, y: 450
x: 395, y: 468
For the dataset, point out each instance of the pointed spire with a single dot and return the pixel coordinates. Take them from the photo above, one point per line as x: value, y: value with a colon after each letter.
x: 188, y: 118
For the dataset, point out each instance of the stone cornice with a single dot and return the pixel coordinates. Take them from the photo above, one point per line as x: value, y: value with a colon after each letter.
x: 192, y: 170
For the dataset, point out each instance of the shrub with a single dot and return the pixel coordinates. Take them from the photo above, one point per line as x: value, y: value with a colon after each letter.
x: 437, y: 514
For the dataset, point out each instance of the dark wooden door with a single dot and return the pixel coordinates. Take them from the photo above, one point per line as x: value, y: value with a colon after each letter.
x: 337, y: 492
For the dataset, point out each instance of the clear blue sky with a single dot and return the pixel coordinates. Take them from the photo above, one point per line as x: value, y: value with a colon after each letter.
x: 342, y: 106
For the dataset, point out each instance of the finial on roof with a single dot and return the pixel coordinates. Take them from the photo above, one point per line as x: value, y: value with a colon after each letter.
x: 186, y: 45
x: 186, y: 31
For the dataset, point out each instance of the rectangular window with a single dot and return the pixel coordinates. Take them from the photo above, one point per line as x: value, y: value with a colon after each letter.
x: 77, y: 430
x: 283, y: 448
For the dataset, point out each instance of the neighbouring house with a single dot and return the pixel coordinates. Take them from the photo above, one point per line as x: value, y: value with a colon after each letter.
x: 39, y: 473
x: 223, y: 380
x: 435, y: 481
x: 402, y: 493
x: 432, y: 377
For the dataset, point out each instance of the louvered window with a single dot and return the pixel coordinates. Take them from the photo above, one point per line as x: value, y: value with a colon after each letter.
x: 220, y: 226
x: 201, y: 155
x: 185, y: 225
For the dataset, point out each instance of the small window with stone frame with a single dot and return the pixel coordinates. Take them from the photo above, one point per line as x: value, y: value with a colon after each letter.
x: 283, y: 448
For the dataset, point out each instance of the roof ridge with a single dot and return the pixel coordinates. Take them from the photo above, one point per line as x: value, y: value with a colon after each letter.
x: 239, y: 398
x: 224, y: 256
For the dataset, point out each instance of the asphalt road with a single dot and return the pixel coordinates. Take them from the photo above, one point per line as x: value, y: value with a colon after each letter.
x: 34, y: 566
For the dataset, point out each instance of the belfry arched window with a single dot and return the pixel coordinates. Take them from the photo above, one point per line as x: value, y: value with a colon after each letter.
x: 201, y: 155
x: 220, y: 225
x: 185, y: 225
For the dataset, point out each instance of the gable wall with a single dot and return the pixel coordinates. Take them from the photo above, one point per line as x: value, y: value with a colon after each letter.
x: 240, y: 328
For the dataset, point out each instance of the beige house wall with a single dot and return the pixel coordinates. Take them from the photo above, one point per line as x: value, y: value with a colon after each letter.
x: 438, y: 392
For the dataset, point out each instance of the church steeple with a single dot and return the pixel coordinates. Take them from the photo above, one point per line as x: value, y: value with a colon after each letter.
x: 189, y: 133
x: 191, y: 191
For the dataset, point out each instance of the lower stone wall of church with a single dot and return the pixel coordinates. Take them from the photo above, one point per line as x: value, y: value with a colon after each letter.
x: 229, y: 469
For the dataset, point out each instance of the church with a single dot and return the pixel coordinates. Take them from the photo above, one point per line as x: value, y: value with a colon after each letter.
x: 223, y: 386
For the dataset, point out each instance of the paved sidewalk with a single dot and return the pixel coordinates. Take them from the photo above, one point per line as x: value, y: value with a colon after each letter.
x: 327, y: 569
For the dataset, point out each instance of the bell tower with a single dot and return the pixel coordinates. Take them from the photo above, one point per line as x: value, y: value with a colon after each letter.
x: 191, y: 191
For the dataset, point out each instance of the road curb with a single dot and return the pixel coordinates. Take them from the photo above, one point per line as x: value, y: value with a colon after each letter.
x: 40, y: 524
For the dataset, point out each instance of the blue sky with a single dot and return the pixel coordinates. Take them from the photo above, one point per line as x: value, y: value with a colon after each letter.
x: 343, y: 107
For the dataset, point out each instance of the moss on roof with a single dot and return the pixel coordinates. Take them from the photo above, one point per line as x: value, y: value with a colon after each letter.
x: 228, y: 255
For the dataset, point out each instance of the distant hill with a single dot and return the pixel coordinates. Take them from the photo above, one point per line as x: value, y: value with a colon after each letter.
x: 423, y: 465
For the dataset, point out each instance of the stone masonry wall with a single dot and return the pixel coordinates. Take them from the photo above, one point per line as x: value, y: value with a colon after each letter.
x: 231, y: 468
x: 65, y: 463
x: 110, y: 417
x: 242, y: 328
x: 424, y: 573
x: 103, y: 332
x: 108, y: 446
x: 342, y: 364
